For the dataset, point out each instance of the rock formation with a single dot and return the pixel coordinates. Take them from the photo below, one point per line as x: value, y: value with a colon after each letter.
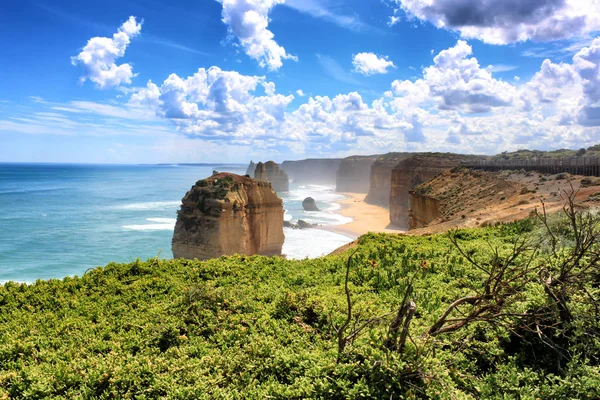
x: 309, y: 204
x: 381, y: 178
x: 228, y: 214
x: 300, y: 225
x: 315, y: 171
x: 462, y: 197
x: 270, y: 172
x: 354, y: 174
x: 413, y: 171
x: 251, y: 169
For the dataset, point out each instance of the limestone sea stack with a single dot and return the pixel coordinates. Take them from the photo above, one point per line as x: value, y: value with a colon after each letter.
x: 270, y: 172
x: 229, y: 214
x: 309, y: 204
x: 251, y: 169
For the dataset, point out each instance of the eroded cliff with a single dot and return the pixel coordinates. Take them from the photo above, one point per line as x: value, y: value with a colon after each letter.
x: 381, y: 178
x: 354, y: 174
x: 270, y: 172
x: 468, y: 198
x: 316, y: 171
x: 411, y: 172
x: 229, y: 214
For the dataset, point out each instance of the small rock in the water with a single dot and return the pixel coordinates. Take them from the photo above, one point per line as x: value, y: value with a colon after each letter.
x: 304, y: 225
x: 288, y: 224
x: 309, y: 204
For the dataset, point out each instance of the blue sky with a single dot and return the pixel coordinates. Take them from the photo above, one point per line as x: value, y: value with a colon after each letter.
x: 232, y: 80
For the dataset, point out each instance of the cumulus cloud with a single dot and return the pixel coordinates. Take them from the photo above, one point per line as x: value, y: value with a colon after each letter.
x: 550, y: 84
x: 371, y: 64
x: 99, y: 55
x: 248, y: 21
x: 508, y: 21
x: 214, y: 103
x: 456, y: 105
x: 587, y: 64
x: 456, y: 81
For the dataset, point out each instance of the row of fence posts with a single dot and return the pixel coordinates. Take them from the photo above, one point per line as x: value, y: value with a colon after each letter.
x: 588, y: 166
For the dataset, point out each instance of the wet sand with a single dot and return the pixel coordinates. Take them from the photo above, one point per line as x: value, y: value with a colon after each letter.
x: 366, y: 217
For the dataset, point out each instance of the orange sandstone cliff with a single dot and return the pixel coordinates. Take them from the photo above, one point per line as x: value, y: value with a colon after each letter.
x: 270, y: 172
x: 413, y: 171
x: 381, y: 178
x: 470, y: 198
x: 229, y: 214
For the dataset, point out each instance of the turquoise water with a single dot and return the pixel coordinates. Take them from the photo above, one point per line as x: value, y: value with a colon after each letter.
x: 60, y: 220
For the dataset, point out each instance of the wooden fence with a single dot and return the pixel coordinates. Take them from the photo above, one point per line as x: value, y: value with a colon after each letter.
x: 588, y: 166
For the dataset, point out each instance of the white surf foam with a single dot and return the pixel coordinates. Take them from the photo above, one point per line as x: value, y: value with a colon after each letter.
x: 311, y: 243
x: 160, y: 224
x: 151, y: 205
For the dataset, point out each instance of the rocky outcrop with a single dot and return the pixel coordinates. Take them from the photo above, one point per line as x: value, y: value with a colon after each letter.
x: 300, y: 225
x: 461, y: 195
x: 468, y: 198
x: 315, y: 171
x: 413, y: 171
x: 228, y: 214
x: 270, y: 172
x: 309, y: 204
x: 354, y: 174
x: 381, y: 178
x: 251, y: 168
x: 423, y: 210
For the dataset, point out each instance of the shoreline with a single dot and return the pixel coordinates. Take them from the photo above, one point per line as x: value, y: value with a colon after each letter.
x: 366, y: 218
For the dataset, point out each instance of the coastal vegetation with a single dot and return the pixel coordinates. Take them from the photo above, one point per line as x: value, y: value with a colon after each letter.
x: 509, y: 311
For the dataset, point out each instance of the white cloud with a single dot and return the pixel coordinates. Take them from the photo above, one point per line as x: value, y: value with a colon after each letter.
x: 502, y: 68
x: 587, y: 64
x: 456, y: 82
x: 508, y: 21
x: 455, y: 105
x: 99, y: 55
x: 248, y: 20
x: 371, y: 64
x: 216, y: 103
x: 334, y: 70
x: 317, y: 9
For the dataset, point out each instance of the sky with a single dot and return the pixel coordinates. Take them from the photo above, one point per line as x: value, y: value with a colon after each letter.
x: 178, y: 81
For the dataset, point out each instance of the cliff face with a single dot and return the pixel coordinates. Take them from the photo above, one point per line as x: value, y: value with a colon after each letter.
x: 381, y: 178
x: 354, y: 174
x: 411, y: 172
x: 317, y: 171
x: 251, y: 169
x: 468, y: 198
x: 422, y: 210
x: 270, y: 172
x: 228, y: 214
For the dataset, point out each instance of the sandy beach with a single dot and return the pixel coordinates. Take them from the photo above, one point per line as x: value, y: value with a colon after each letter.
x: 366, y: 217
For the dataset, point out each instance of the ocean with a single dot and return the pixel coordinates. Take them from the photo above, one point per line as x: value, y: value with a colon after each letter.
x: 60, y: 220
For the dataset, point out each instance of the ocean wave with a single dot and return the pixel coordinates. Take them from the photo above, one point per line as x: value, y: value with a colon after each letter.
x: 26, y: 191
x: 320, y: 194
x: 311, y: 243
x: 151, y: 205
x: 160, y: 224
